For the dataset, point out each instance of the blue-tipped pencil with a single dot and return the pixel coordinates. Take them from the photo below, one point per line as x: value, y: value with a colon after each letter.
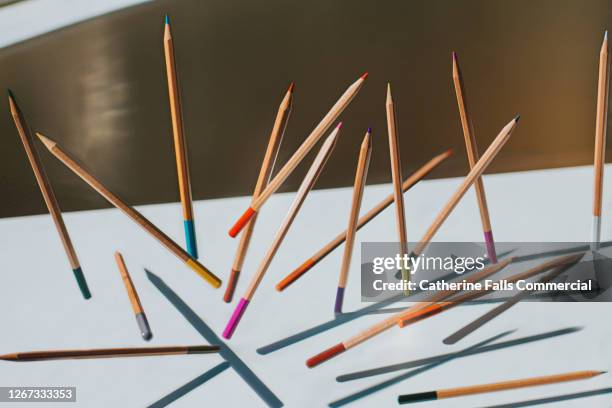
x: 180, y: 147
x: 141, y: 318
x: 47, y: 191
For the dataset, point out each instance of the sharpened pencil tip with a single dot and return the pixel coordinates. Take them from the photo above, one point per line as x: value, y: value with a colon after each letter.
x: 369, y: 130
x: 291, y: 86
x: 46, y: 141
x: 603, y: 372
x: 449, y: 152
x: 454, y: 56
x: 517, y: 118
x: 167, y: 20
x: 10, y: 93
x: 606, y: 35
x: 339, y: 126
x: 364, y: 76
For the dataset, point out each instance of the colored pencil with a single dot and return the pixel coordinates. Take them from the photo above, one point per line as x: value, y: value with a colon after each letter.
x: 434, y: 308
x: 472, y: 153
x: 299, y: 154
x: 141, y: 317
x: 180, y: 146
x: 307, y: 183
x: 396, y: 176
x: 134, y: 215
x: 490, y: 315
x: 601, y: 124
x: 47, y: 192
x: 108, y: 353
x: 361, y: 174
x: 363, y: 220
x: 391, y: 321
x: 486, y: 159
x: 499, y: 386
x: 267, y: 166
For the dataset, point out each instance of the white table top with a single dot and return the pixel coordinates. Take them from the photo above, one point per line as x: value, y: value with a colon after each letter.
x: 43, y: 309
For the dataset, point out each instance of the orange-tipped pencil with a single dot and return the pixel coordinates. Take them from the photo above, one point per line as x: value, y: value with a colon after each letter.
x: 307, y: 183
x: 417, y: 176
x: 267, y: 166
x: 472, y: 153
x: 134, y: 215
x: 494, y: 387
x: 361, y: 173
x: 108, y: 353
x: 299, y: 154
x: 141, y: 317
x: 601, y: 126
x: 47, y: 192
x: 396, y: 176
x: 391, y: 321
x: 180, y: 146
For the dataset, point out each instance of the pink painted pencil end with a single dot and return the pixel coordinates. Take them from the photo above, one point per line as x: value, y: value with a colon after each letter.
x: 235, y: 319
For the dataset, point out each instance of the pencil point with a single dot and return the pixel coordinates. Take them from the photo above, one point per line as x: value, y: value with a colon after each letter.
x: 454, y: 56
x: 364, y: 76
x: 167, y: 20
x: 339, y: 126
x: 10, y: 93
x: 291, y: 86
x: 369, y: 130
x: 517, y: 118
x: 605, y: 35
x: 46, y: 141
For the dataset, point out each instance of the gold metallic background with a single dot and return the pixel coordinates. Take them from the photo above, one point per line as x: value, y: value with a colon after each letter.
x: 99, y: 88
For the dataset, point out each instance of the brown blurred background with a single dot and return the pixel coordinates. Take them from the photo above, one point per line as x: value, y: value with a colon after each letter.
x: 99, y: 88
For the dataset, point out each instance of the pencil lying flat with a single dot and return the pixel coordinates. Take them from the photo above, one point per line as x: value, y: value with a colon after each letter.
x: 307, y: 183
x: 601, y: 125
x: 472, y: 154
x: 490, y: 315
x: 134, y: 215
x: 274, y: 142
x: 396, y: 176
x: 391, y: 321
x: 47, y: 192
x: 361, y: 173
x: 108, y: 353
x: 141, y: 317
x: 363, y: 220
x: 299, y: 154
x: 494, y: 387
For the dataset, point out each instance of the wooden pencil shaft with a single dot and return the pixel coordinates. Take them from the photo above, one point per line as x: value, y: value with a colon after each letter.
x: 476, y: 172
x: 363, y: 220
x: 129, y: 285
x: 309, y: 180
x: 108, y: 353
x: 396, y: 173
x: 601, y: 125
x: 265, y: 172
x: 361, y: 173
x: 307, y: 145
x: 470, y: 142
x: 180, y: 149
x: 513, y: 384
x: 43, y: 181
x: 428, y: 301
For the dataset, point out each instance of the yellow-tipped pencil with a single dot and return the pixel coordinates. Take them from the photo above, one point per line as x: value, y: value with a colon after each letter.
x: 134, y: 215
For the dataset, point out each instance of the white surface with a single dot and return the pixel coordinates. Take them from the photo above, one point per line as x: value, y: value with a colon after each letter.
x: 31, y: 18
x: 42, y: 307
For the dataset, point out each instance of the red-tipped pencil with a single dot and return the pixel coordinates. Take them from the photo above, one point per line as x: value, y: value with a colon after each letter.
x: 299, y: 155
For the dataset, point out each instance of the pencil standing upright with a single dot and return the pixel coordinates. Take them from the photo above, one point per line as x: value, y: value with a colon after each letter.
x: 396, y: 175
x: 141, y: 317
x: 180, y: 148
x: 265, y: 172
x: 361, y: 173
x: 47, y: 192
x: 472, y: 153
x: 601, y: 123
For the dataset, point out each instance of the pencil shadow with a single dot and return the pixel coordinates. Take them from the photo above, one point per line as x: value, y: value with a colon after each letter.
x: 413, y: 373
x: 211, y: 337
x: 483, y: 349
x: 338, y: 321
x: 190, y: 386
x: 558, y: 398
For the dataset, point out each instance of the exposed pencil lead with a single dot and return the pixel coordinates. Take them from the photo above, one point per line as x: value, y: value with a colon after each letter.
x: 517, y: 118
x: 46, y: 141
x: 339, y: 125
x: 364, y: 76
x: 369, y: 130
x: 454, y: 56
x: 167, y: 20
x: 291, y: 86
x: 10, y: 93
x: 605, y: 35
